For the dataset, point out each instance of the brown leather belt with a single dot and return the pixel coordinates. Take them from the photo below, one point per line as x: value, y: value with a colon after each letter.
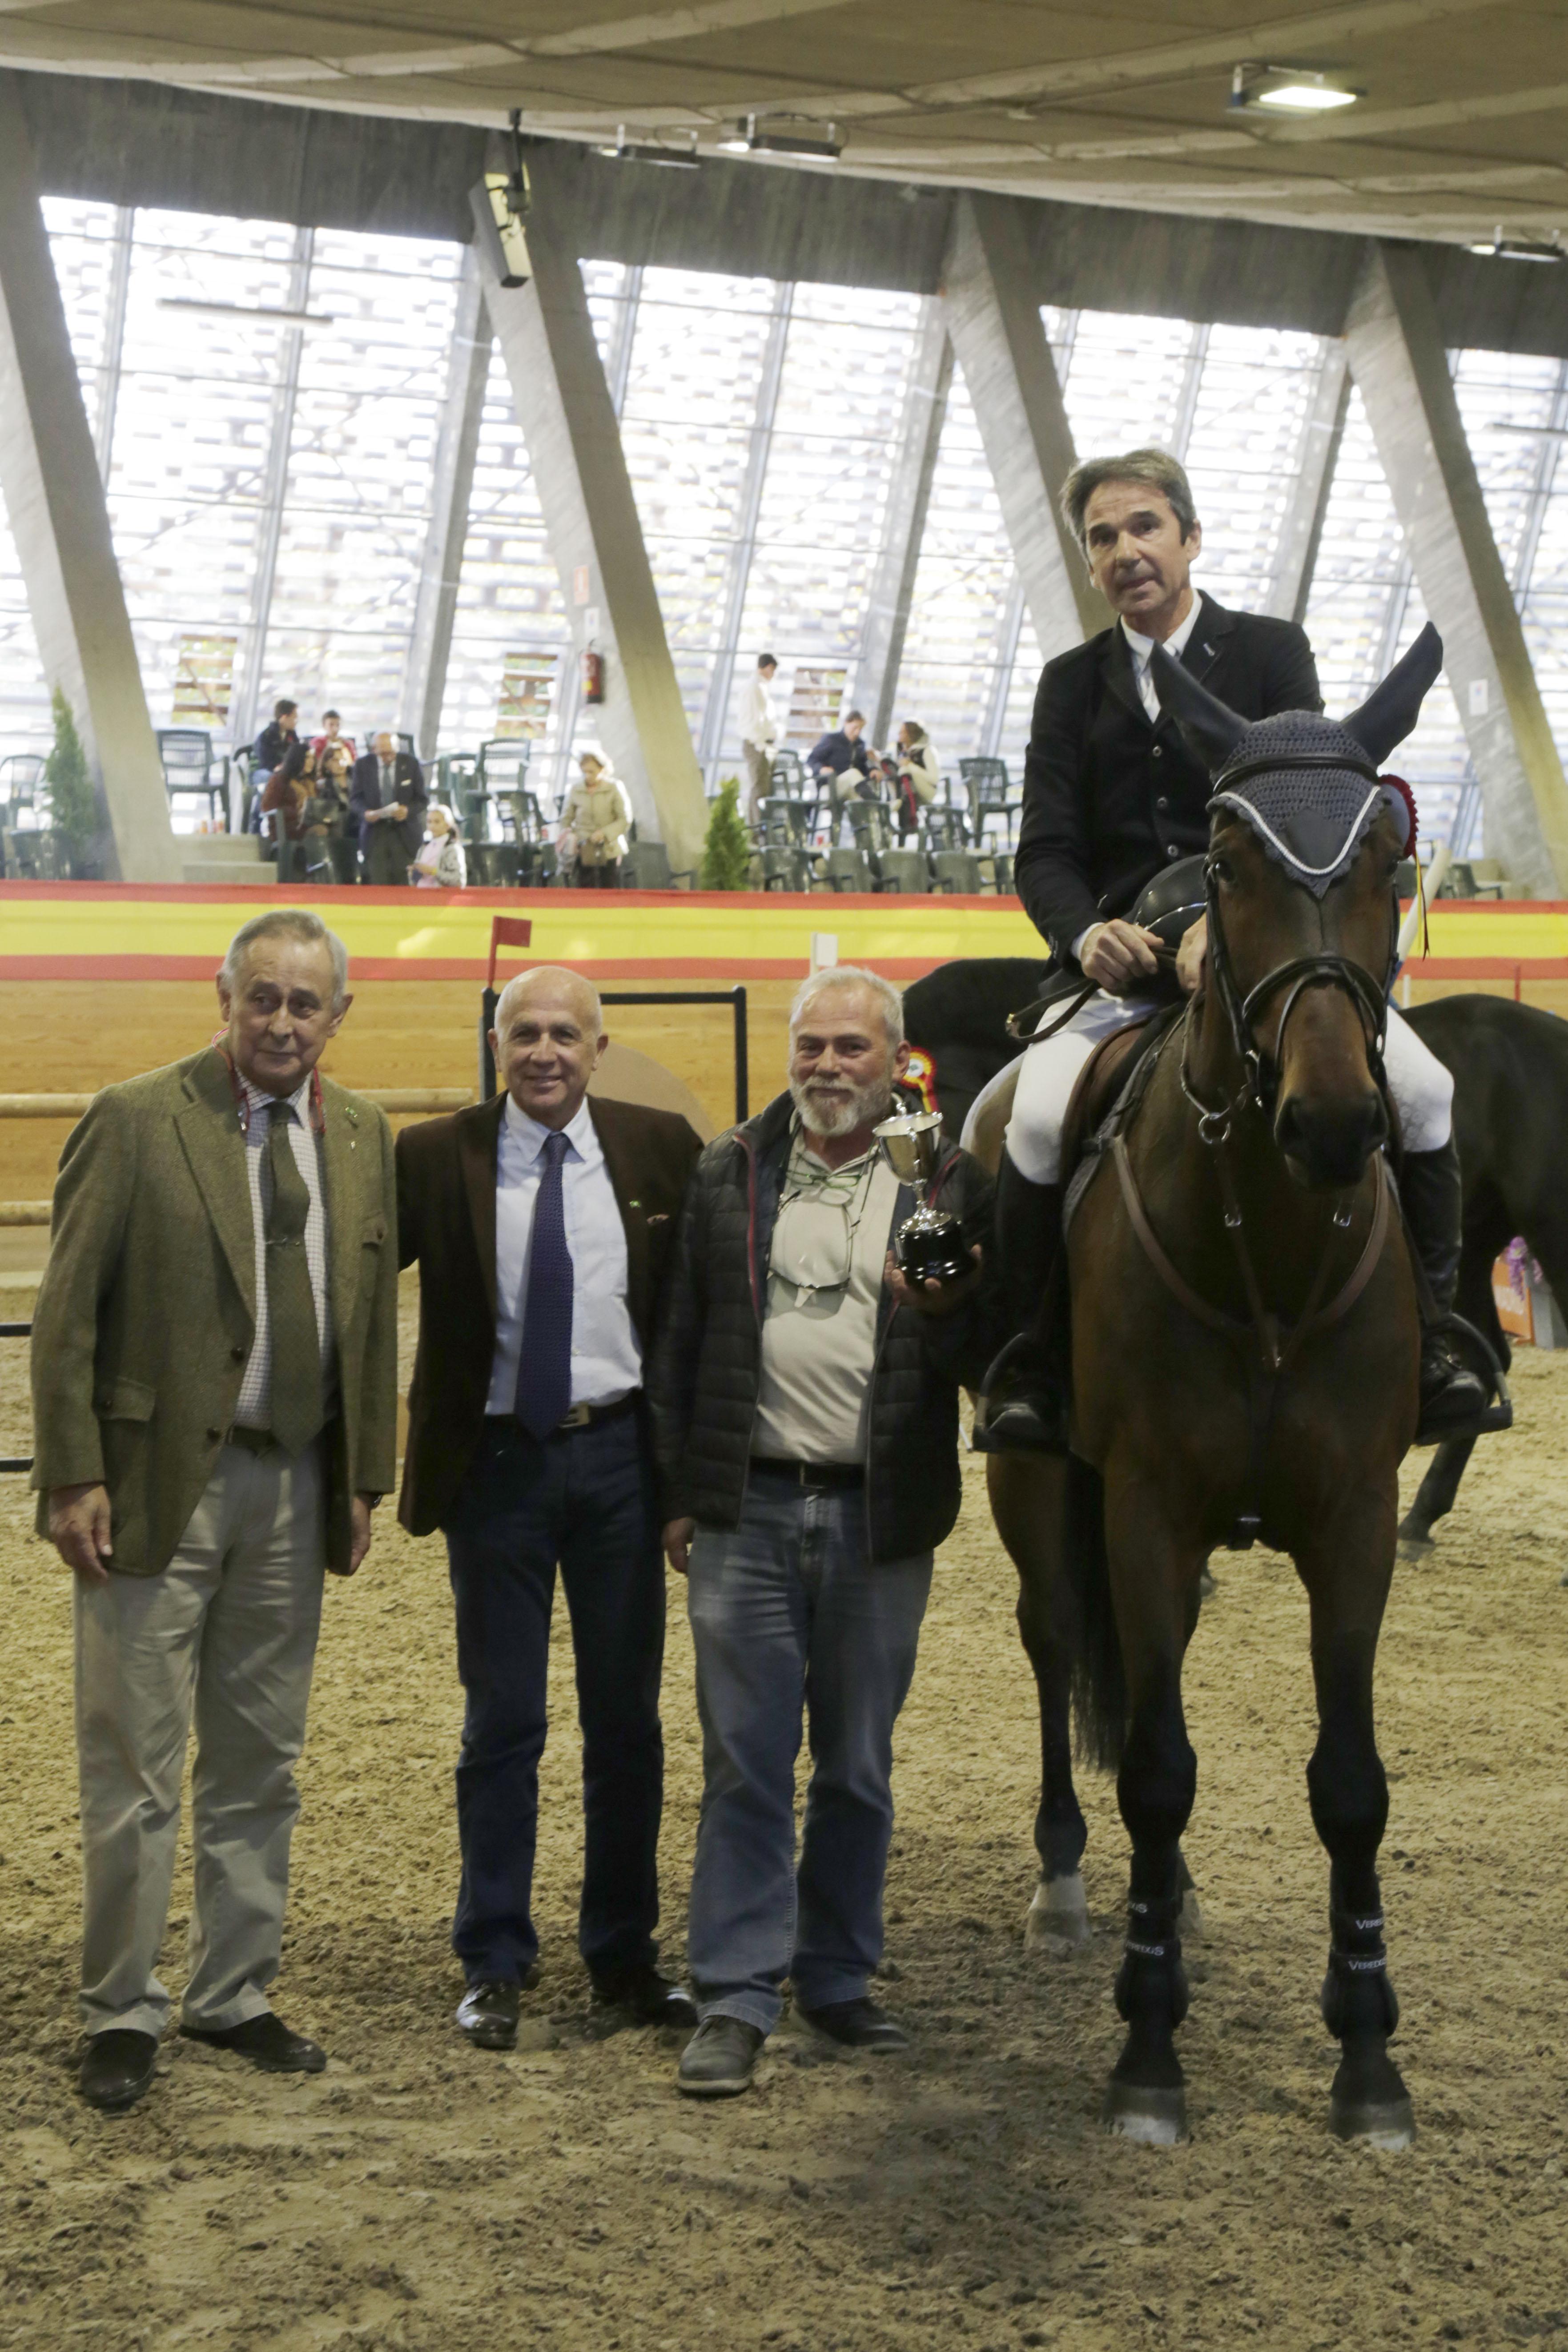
x: 810, y: 1473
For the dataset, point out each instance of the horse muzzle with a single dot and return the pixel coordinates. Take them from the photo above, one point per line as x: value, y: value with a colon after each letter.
x: 1328, y: 1141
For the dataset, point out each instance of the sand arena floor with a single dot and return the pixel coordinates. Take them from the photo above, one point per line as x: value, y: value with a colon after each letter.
x: 423, y: 2197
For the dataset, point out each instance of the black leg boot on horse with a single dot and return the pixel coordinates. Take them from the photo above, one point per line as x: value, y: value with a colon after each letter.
x: 1025, y: 1391
x: 1453, y: 1398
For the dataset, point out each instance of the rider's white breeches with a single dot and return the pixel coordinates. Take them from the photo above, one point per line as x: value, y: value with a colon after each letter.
x: 1422, y: 1089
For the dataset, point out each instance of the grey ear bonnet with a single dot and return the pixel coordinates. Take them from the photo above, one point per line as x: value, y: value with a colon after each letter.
x: 1308, y: 786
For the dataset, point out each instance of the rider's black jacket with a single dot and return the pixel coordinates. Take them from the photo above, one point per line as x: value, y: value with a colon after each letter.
x: 1110, y: 798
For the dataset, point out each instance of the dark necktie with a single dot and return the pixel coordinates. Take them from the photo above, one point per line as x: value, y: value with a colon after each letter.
x: 296, y: 1414
x: 544, y: 1362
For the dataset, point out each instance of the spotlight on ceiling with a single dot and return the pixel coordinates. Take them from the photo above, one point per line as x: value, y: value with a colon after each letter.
x: 507, y: 197
x: 625, y: 151
x: 1500, y: 247
x: 783, y: 135
x: 1289, y: 90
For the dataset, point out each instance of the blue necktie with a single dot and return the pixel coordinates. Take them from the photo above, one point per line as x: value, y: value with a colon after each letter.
x: 544, y: 1364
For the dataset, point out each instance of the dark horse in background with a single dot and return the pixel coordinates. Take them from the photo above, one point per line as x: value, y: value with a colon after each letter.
x: 1244, y: 1343
x: 1509, y: 1066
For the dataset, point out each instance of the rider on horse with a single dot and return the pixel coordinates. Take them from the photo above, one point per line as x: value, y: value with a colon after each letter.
x: 1112, y: 797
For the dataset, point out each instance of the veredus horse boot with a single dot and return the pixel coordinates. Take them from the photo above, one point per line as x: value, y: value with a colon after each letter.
x: 1025, y: 1388
x: 1453, y: 1397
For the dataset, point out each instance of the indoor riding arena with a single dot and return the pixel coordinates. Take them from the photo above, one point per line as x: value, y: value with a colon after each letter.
x: 672, y: 440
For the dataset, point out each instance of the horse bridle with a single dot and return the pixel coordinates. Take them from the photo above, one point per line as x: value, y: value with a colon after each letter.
x: 1261, y: 1085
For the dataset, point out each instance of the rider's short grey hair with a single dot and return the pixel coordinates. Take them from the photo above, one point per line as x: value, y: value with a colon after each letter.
x: 288, y: 923
x: 852, y: 975
x: 1154, y: 469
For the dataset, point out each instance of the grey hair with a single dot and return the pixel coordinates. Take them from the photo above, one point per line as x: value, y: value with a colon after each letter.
x: 521, y: 979
x: 286, y: 923
x: 852, y: 975
x: 1156, y: 469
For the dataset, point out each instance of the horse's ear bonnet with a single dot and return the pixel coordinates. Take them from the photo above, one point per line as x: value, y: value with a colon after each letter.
x: 1308, y: 786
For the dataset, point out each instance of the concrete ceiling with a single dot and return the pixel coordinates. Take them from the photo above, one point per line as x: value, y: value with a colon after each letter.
x: 1463, y: 126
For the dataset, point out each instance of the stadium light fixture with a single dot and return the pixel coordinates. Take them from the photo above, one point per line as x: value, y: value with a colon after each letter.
x: 762, y: 135
x: 625, y: 151
x: 509, y: 197
x: 1289, y: 90
x: 1500, y: 247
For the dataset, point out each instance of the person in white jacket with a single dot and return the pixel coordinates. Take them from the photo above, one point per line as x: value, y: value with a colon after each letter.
x: 918, y: 775
x: 441, y: 864
x: 760, y: 735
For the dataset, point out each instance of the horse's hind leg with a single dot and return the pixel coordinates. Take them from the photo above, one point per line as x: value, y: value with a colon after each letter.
x: 1028, y: 1503
x: 1155, y: 1590
x: 1347, y: 1584
x: 1434, y: 1496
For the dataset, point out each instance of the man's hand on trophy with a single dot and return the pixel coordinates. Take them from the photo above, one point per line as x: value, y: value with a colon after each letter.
x: 931, y: 1297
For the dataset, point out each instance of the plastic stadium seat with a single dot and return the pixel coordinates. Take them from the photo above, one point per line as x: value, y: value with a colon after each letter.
x: 494, y: 864
x: 903, y: 870
x: 1006, y: 885
x: 785, y: 868
x: 848, y: 869
x: 955, y: 871
x: 646, y: 867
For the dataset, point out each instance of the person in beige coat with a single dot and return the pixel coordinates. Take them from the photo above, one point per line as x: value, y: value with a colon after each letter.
x: 597, y: 817
x: 214, y: 1356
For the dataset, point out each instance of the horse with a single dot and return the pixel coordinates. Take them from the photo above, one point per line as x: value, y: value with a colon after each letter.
x: 1245, y: 1345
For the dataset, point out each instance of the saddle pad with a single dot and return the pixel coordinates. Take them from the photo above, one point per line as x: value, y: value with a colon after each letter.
x: 1109, y: 1087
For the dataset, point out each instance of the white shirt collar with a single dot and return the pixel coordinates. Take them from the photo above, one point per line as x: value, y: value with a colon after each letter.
x: 1176, y: 644
x: 255, y: 1100
x: 528, y: 1132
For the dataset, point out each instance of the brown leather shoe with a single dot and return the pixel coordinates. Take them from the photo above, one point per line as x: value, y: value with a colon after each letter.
x: 118, y: 2068
x: 266, y: 2042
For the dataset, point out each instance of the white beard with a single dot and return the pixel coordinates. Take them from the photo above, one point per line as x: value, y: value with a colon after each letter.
x: 844, y: 1109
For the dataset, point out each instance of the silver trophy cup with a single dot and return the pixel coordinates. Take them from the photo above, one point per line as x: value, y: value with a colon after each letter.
x: 928, y: 1246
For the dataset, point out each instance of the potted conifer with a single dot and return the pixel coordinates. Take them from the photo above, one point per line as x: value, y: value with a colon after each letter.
x: 727, y: 852
x: 73, y: 803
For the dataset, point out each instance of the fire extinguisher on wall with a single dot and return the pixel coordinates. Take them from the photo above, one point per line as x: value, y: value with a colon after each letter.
x: 593, y: 674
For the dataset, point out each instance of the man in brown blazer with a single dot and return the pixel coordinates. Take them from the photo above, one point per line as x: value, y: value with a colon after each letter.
x: 214, y: 1365
x: 542, y: 1221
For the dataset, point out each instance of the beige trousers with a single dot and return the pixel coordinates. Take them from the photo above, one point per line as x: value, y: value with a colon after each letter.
x: 229, y: 1631
x: 759, y: 780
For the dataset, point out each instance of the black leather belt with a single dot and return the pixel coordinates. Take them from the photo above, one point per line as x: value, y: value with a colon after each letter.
x: 255, y: 1441
x: 581, y: 1416
x: 810, y: 1473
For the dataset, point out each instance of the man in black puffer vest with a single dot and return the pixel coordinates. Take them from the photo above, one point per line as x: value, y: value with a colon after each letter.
x: 805, y: 1401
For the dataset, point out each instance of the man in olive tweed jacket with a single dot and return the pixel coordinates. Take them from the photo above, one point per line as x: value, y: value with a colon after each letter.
x: 224, y: 1257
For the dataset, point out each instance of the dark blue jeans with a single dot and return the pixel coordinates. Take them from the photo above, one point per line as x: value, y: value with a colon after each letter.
x: 583, y: 1498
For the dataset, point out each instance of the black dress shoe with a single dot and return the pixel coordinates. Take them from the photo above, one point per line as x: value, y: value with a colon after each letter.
x: 487, y: 2013
x: 266, y: 2042
x: 856, y: 2025
x: 719, y: 2061
x: 1454, y: 1399
x: 651, y: 1999
x: 117, y: 2069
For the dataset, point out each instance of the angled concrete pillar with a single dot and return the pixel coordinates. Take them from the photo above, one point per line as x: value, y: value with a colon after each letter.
x: 748, y: 511
x: 1302, y: 533
x: 993, y: 319
x: 909, y: 501
x: 54, y: 497
x: 1397, y: 357
x: 456, y: 447
x: 568, y: 420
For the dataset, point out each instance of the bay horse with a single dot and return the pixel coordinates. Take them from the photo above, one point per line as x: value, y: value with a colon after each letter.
x: 1245, y: 1342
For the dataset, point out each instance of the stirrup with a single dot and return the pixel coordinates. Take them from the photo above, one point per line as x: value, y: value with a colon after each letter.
x: 1029, y: 1416
x: 1475, y: 1356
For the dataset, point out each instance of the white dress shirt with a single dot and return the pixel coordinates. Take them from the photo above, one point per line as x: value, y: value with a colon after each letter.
x: 254, y: 1410
x: 761, y: 727
x: 1141, y: 648
x: 606, y: 1358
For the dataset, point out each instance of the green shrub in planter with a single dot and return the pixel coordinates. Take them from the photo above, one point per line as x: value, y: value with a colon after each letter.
x: 73, y: 803
x: 727, y: 852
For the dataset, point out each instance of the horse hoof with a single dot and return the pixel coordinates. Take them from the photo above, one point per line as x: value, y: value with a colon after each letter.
x: 1057, y: 1918
x: 1374, y: 2123
x: 1414, y: 1546
x: 1190, y: 1918
x: 1208, y: 1584
x: 1151, y: 2118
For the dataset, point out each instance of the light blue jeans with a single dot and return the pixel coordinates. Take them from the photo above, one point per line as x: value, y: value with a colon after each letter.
x: 788, y: 1613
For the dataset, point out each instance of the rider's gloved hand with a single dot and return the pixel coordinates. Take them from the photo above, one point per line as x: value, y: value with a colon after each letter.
x: 1118, y: 956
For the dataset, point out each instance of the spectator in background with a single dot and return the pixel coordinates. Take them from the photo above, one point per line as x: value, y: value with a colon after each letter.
x: 595, y: 820
x: 760, y: 735
x: 440, y: 864
x: 283, y: 803
x: 841, y: 760
x: 387, y: 806
x: 916, y: 775
x: 267, y: 752
x: 333, y: 741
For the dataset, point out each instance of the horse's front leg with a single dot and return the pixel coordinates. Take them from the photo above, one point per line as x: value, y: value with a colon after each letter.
x: 1347, y: 1578
x: 1154, y: 1578
x: 1028, y: 1502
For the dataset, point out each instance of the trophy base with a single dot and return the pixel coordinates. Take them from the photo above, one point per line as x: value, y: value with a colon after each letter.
x: 934, y: 1253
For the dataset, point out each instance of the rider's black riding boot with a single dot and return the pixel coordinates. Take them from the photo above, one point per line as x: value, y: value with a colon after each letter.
x: 1024, y: 1389
x: 1453, y: 1397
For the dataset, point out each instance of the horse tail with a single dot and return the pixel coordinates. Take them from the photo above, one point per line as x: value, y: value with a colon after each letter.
x: 1099, y: 1674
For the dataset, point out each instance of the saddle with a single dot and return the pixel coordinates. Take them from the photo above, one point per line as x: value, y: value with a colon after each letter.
x: 1109, y: 1090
